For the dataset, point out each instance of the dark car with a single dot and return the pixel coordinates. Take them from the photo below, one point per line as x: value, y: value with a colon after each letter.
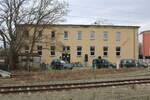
x: 128, y: 63
x: 77, y: 64
x: 102, y: 63
x: 142, y: 64
x: 60, y: 64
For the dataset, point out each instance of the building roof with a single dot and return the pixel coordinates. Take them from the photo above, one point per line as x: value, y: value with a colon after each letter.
x: 146, y: 31
x: 78, y: 25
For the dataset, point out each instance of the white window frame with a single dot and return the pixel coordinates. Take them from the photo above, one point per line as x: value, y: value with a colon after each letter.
x: 105, y: 51
x: 53, y: 35
x: 52, y: 50
x: 66, y: 35
x: 79, y: 51
x: 40, y: 33
x: 118, y: 51
x: 39, y: 50
x: 79, y: 35
x: 27, y: 50
x: 92, y: 51
x: 105, y: 36
x: 66, y: 48
x: 118, y: 36
x: 26, y: 34
x: 92, y: 35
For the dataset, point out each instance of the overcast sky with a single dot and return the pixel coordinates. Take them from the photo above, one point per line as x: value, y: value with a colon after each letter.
x: 116, y: 12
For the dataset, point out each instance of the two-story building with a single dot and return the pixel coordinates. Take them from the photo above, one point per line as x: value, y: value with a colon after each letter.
x: 83, y: 43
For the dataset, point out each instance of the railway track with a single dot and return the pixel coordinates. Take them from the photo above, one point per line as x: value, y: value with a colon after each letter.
x: 69, y: 86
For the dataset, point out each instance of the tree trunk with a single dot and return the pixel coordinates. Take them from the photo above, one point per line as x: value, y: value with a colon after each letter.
x: 13, y: 59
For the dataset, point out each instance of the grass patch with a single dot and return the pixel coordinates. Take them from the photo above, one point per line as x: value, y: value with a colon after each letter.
x: 67, y: 75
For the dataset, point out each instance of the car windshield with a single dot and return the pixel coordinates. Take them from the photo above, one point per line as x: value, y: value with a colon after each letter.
x: 63, y: 62
x: 129, y: 61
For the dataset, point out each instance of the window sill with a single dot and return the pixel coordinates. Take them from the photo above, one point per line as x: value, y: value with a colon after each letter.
x: 92, y: 39
x: 79, y: 56
x: 52, y: 55
x: 118, y: 56
x: 92, y: 55
x: 105, y: 40
x: 105, y: 56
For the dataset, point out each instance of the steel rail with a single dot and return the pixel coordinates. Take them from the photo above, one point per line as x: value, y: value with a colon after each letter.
x: 69, y: 86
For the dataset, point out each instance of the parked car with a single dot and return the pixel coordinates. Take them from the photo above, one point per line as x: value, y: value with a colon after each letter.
x: 128, y: 63
x: 102, y: 63
x: 142, y: 64
x: 5, y: 74
x: 60, y: 64
x: 77, y: 64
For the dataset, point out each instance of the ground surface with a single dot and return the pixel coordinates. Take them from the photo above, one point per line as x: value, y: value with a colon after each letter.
x: 139, y: 92
x: 73, y: 75
x: 136, y: 92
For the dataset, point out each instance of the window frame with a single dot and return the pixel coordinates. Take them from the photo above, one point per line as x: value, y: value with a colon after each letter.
x: 26, y: 34
x: 66, y: 33
x: 79, y: 50
x: 105, y: 36
x: 52, y: 50
x: 66, y: 48
x: 40, y: 33
x: 27, y: 50
x: 53, y: 35
x: 92, y: 51
x: 79, y: 35
x: 92, y: 35
x: 39, y: 49
x: 118, y: 51
x: 105, y: 51
x: 118, y: 36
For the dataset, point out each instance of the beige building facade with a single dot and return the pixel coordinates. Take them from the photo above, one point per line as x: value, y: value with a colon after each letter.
x: 83, y: 43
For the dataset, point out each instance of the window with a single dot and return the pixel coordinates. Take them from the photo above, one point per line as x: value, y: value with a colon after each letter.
x: 52, y: 50
x: 118, y: 51
x: 53, y: 35
x: 79, y: 50
x: 26, y: 34
x: 118, y: 36
x: 65, y: 35
x: 66, y: 48
x: 79, y: 35
x: 40, y: 33
x: 92, y: 35
x: 92, y: 50
x: 105, y: 36
x: 105, y: 51
x: 39, y: 50
x: 26, y: 49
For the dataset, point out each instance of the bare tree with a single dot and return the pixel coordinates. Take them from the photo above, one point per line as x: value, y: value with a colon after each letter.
x: 33, y: 12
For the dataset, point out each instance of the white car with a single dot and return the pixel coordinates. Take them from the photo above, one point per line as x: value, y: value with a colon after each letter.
x: 5, y: 74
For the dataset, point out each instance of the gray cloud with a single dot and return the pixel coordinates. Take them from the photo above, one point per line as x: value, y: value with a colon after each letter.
x: 124, y: 12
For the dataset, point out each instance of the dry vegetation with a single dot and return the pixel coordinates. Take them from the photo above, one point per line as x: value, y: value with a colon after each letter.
x: 54, y: 75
